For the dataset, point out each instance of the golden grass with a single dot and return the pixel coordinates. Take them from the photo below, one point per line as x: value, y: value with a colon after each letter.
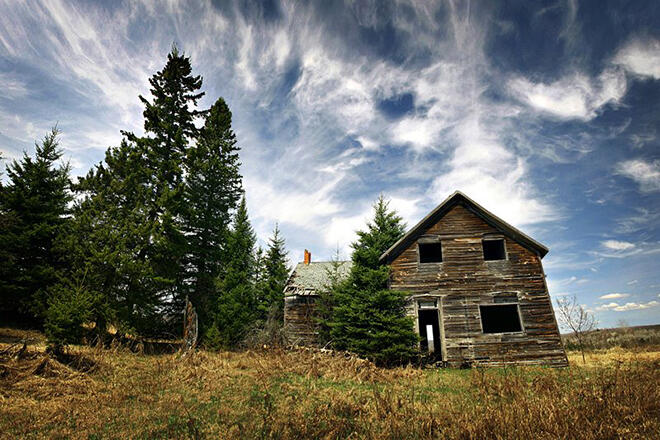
x: 304, y: 394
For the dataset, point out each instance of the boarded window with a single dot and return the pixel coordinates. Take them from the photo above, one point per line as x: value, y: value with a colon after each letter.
x: 430, y: 252
x: 500, y: 318
x: 494, y: 250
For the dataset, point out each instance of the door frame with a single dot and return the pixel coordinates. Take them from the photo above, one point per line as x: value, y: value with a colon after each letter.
x: 438, y: 298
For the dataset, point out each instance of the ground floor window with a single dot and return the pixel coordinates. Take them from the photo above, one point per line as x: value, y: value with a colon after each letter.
x: 500, y: 318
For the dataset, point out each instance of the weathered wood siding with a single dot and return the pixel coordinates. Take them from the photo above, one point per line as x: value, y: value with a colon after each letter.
x: 464, y: 280
x: 300, y: 323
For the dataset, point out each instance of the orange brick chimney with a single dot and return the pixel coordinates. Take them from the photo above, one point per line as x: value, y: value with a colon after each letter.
x: 308, y: 257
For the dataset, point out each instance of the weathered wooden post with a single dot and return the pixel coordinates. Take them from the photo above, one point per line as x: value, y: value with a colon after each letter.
x: 190, y: 327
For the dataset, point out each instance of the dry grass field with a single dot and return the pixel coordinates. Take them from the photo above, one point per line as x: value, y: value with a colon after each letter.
x: 98, y: 394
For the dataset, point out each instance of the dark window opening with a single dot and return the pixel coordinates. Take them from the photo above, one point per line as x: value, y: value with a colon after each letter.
x: 502, y: 318
x: 430, y: 252
x: 494, y: 250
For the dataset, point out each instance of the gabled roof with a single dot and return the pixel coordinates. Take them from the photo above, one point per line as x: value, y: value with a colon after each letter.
x: 308, y: 279
x: 458, y: 198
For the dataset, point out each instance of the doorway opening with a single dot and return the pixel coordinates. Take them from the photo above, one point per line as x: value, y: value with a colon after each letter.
x: 429, y: 332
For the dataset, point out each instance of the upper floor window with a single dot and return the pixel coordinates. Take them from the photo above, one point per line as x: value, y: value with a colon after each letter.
x: 494, y: 249
x: 430, y: 252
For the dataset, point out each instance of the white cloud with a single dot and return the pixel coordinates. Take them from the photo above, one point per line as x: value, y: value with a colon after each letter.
x: 419, y: 133
x: 490, y: 174
x: 340, y: 231
x: 408, y: 208
x: 367, y: 144
x: 12, y: 87
x: 628, y: 306
x: 572, y: 97
x: 617, y: 245
x: 614, y: 296
x: 302, y: 208
x: 646, y: 174
x: 640, y: 57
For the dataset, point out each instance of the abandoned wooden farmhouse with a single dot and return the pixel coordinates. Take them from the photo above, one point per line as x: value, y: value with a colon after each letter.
x: 477, y: 289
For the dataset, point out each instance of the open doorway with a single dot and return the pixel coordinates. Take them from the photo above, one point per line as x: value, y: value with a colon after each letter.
x: 429, y: 332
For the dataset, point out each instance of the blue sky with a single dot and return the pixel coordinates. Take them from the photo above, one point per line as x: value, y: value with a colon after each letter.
x: 546, y: 113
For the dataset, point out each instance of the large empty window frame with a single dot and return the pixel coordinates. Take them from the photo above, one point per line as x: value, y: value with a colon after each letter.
x: 494, y: 249
x: 430, y: 252
x: 500, y: 318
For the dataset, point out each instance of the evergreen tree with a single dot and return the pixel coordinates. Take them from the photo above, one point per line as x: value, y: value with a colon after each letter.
x: 259, y: 282
x: 7, y: 305
x: 325, y: 304
x: 368, y: 318
x: 70, y: 305
x: 271, y: 303
x: 236, y: 305
x: 130, y: 210
x: 113, y: 258
x: 212, y: 191
x: 170, y: 130
x: 34, y: 212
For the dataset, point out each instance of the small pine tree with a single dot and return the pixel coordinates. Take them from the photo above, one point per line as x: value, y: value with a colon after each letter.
x: 70, y: 305
x: 276, y: 274
x: 213, y: 340
x: 368, y: 318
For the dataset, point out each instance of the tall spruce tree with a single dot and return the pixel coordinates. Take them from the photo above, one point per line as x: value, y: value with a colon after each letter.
x: 170, y: 130
x: 212, y: 191
x: 368, y: 318
x: 271, y: 301
x: 35, y: 212
x: 235, y: 309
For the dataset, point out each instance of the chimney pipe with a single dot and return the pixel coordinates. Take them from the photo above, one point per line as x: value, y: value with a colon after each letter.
x: 308, y: 257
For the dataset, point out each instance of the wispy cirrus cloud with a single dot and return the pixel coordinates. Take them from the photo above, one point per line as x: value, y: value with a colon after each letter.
x: 577, y: 96
x: 645, y: 173
x: 625, y: 249
x: 641, y: 57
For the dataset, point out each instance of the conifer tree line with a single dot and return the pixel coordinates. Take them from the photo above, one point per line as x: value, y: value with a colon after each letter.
x: 162, y: 219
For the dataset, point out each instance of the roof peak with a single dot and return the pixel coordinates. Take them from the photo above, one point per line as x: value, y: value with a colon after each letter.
x: 439, y: 211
